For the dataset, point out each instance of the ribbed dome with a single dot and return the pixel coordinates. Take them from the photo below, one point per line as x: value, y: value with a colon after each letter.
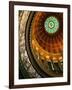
x: 49, y: 42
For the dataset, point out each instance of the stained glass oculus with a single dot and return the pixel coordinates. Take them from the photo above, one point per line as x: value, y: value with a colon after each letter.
x: 51, y: 24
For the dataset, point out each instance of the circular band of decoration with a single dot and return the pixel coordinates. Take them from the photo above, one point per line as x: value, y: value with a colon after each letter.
x: 44, y: 42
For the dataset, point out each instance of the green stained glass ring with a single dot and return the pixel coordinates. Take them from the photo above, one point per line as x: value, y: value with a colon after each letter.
x: 51, y: 24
